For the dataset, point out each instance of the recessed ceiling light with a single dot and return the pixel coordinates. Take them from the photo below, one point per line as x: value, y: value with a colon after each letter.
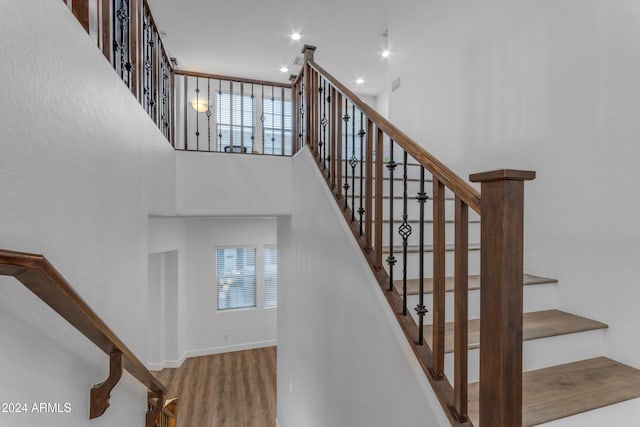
x: 295, y: 36
x: 385, y: 53
x: 359, y: 81
x: 284, y: 69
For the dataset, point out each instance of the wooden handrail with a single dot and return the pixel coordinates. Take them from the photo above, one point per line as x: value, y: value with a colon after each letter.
x: 460, y: 187
x: 231, y: 78
x: 37, y: 274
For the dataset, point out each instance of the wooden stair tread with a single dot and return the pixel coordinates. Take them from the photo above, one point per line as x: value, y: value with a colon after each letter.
x: 536, y: 325
x: 473, y: 281
x: 565, y: 390
x: 427, y: 248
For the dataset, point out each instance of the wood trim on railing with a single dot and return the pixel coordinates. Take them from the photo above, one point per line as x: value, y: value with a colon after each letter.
x: 231, y: 78
x: 37, y: 274
x: 466, y: 192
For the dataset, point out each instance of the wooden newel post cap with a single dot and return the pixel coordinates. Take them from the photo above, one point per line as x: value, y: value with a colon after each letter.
x: 292, y: 78
x: 308, y: 51
x: 503, y: 175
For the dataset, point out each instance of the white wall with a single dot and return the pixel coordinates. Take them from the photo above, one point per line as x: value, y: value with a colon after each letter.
x: 210, y: 331
x: 201, y: 328
x: 224, y: 184
x: 80, y: 171
x: 550, y: 86
x: 342, y: 357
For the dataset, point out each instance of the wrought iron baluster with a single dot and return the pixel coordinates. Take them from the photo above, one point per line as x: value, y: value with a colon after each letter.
x: 421, y: 310
x: 346, y: 119
x: 282, y: 152
x: 165, y: 99
x: 231, y: 102
x: 322, y: 121
x: 391, y: 260
x: 220, y: 115
x: 354, y: 163
x: 253, y: 125
x: 198, y: 113
x: 331, y: 135
x: 209, y: 114
x: 301, y: 115
x: 361, y: 134
x: 264, y: 149
x: 273, y: 121
x: 405, y: 232
x: 242, y: 117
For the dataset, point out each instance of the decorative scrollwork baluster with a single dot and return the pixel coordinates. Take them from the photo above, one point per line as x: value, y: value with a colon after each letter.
x: 405, y: 231
x: 346, y: 186
x: 361, y: 134
x: 421, y: 310
x: 391, y: 260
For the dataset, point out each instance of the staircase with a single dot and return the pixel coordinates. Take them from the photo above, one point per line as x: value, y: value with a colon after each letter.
x: 565, y: 372
x: 401, y: 208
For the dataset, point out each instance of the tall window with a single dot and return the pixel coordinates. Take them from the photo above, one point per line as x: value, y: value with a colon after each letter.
x: 236, y: 277
x: 275, y: 124
x: 234, y: 121
x: 270, y: 276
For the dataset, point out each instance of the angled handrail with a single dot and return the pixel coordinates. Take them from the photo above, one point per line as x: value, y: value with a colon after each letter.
x: 37, y: 274
x: 459, y: 186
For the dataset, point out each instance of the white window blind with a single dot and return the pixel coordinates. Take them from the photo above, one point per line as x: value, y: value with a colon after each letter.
x: 270, y: 276
x: 234, y: 121
x: 274, y: 124
x: 236, y: 278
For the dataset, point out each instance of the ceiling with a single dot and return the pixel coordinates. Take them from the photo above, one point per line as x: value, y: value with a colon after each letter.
x: 249, y: 38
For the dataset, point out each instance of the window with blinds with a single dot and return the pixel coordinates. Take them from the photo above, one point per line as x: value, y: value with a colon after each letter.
x: 270, y: 276
x: 275, y: 124
x: 236, y: 278
x: 235, y: 123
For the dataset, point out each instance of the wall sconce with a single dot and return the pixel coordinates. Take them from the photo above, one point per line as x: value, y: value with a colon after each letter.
x: 199, y: 105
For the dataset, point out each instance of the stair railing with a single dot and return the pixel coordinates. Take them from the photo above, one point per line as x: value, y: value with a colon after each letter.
x: 37, y: 274
x: 352, y: 145
x: 129, y: 38
x: 234, y: 115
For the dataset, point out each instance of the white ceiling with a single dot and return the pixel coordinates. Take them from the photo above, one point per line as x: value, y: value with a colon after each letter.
x: 248, y: 38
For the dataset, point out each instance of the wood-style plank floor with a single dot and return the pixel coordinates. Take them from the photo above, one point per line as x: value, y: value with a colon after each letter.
x: 225, y: 390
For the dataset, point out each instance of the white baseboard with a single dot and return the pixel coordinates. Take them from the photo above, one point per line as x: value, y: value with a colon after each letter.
x: 230, y: 348
x: 166, y: 364
x: 277, y: 423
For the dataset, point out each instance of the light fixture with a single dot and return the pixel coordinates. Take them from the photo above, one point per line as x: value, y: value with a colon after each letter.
x: 295, y: 36
x: 200, y: 105
x: 359, y: 80
x: 385, y: 53
x: 284, y: 69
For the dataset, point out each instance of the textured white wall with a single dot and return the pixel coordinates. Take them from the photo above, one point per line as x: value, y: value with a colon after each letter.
x: 342, y: 359
x: 223, y: 184
x: 81, y: 169
x: 202, y: 328
x: 550, y: 86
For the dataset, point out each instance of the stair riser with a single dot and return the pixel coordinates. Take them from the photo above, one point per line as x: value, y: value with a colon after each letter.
x: 542, y: 353
x: 536, y: 298
x: 413, y: 264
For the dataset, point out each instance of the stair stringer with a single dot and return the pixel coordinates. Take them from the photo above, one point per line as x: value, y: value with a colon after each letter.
x: 342, y: 359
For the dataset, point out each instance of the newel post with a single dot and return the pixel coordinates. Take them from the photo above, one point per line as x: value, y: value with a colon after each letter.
x: 501, y: 272
x: 308, y: 52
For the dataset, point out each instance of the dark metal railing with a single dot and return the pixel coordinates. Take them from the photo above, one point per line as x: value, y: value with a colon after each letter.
x: 235, y: 115
x: 130, y: 40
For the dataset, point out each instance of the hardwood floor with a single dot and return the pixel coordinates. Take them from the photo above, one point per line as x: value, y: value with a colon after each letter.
x: 225, y: 390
